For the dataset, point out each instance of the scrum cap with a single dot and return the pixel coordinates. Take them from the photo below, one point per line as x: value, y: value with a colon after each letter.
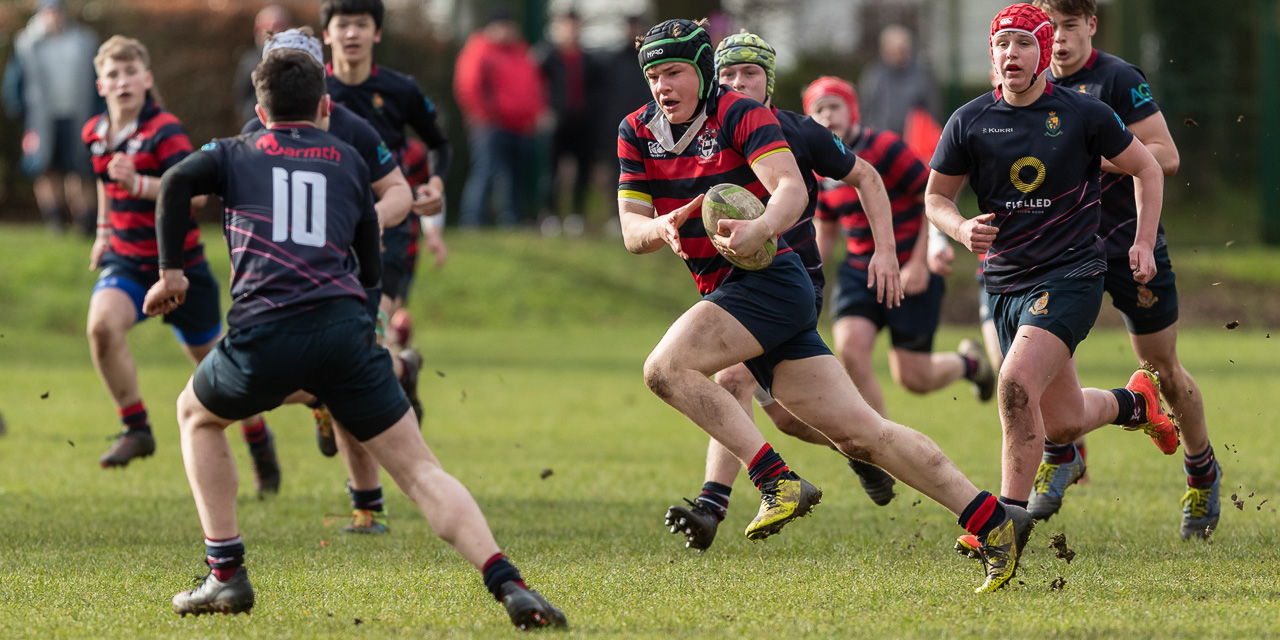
x: 741, y: 48
x: 1028, y: 19
x: 681, y: 41
x: 833, y: 87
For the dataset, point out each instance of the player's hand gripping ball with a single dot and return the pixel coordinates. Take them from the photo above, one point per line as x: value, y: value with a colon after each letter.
x: 732, y: 201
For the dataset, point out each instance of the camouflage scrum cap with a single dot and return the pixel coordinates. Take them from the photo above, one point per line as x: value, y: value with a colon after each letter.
x: 741, y: 48
x: 681, y: 41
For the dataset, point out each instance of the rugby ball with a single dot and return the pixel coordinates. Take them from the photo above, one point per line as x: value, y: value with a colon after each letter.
x: 732, y: 201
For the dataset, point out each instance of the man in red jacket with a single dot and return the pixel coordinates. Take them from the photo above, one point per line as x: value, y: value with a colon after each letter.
x: 502, y: 94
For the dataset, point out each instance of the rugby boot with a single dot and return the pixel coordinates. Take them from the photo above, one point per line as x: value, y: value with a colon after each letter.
x: 698, y: 522
x: 324, y: 431
x: 266, y: 467
x: 984, y: 378
x: 781, y: 501
x: 367, y: 521
x: 128, y: 445
x: 967, y: 546
x: 528, y: 609
x: 214, y: 596
x: 1002, y: 547
x: 409, y: 380
x: 1200, y: 508
x: 1155, y: 423
x: 875, y: 481
x: 1051, y: 484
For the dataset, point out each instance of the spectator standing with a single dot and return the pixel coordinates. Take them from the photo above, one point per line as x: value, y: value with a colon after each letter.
x: 49, y: 83
x: 573, y: 79
x: 894, y: 84
x: 272, y: 19
x: 502, y: 94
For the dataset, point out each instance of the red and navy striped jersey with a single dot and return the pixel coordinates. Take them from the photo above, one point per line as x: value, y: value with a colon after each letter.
x: 819, y: 154
x: 292, y: 199
x: 1037, y: 169
x: 156, y: 143
x: 1124, y: 88
x: 904, y: 177
x: 737, y: 133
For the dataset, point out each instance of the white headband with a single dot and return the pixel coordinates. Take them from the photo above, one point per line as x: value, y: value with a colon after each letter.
x: 294, y: 39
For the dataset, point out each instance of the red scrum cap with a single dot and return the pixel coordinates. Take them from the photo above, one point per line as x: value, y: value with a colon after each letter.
x: 1028, y: 19
x: 836, y: 88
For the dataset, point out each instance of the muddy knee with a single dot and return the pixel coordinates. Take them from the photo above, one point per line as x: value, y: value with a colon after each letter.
x: 658, y: 377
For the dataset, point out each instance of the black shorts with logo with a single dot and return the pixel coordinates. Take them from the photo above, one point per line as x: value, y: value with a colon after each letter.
x: 330, y: 352
x: 1065, y: 307
x: 1147, y: 308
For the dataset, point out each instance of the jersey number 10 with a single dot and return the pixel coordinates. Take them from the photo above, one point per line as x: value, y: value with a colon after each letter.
x: 305, y: 200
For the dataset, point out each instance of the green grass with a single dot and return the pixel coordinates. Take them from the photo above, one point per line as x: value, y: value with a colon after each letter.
x: 555, y: 384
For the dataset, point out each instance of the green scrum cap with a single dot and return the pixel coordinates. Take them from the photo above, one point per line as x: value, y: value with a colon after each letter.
x: 741, y: 48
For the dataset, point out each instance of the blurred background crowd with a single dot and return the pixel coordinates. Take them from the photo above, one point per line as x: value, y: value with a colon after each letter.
x: 530, y: 92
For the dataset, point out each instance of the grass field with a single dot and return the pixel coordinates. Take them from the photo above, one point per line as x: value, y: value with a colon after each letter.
x: 534, y: 367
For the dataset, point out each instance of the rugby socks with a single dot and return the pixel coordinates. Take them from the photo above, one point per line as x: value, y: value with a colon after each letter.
x: 767, y: 464
x: 1060, y: 453
x: 499, y: 571
x: 970, y: 366
x: 134, y: 418
x: 254, y: 431
x: 1133, y: 408
x: 370, y: 500
x: 224, y: 557
x: 1011, y: 501
x: 983, y: 514
x: 716, y: 497
x: 1201, y: 469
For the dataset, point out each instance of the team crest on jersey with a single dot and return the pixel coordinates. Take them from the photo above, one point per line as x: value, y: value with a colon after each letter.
x: 209, y: 146
x: 839, y: 144
x: 1040, y: 306
x: 708, y: 143
x: 377, y: 102
x: 1146, y: 299
x: 1083, y: 89
x: 98, y: 147
x: 656, y: 150
x: 1052, y: 125
x: 134, y: 146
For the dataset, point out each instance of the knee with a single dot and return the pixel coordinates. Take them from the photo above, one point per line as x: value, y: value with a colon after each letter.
x: 862, y: 442
x: 188, y: 410
x: 738, y: 381
x: 101, y: 333
x: 658, y: 377
x: 912, y: 379
x: 1014, y: 397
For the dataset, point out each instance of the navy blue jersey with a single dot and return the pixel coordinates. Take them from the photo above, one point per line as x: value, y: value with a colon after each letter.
x: 292, y: 198
x: 819, y: 154
x: 1037, y: 169
x: 389, y: 100
x: 353, y: 130
x: 737, y: 133
x: 1124, y: 88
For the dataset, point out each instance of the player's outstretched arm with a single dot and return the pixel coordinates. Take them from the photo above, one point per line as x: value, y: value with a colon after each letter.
x: 1148, y: 191
x: 642, y: 232
x: 940, y: 207
x: 102, y: 239
x: 883, y: 271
